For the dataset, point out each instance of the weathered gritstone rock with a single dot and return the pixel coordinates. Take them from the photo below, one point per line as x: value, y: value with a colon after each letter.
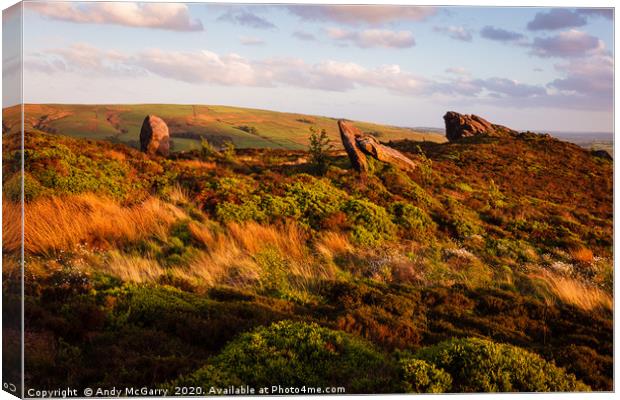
x: 604, y: 154
x: 154, y: 136
x: 462, y: 125
x: 358, y: 145
x: 347, y: 135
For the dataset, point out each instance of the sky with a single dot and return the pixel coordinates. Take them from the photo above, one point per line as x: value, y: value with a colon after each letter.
x: 543, y: 69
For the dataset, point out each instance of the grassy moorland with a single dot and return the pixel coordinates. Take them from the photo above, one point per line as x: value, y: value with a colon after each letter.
x: 246, y: 128
x: 248, y: 267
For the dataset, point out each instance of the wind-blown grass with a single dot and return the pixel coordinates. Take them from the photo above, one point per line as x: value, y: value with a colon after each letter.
x: 61, y: 223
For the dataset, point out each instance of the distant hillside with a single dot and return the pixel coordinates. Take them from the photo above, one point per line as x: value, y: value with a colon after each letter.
x: 246, y: 128
x: 589, y: 140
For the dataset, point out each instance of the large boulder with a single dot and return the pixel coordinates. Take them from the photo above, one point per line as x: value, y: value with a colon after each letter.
x: 359, y: 145
x: 459, y: 126
x: 154, y: 136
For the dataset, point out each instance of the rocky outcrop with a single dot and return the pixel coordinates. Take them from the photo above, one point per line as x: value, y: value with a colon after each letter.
x: 459, y: 126
x: 604, y: 154
x: 154, y: 136
x: 358, y: 145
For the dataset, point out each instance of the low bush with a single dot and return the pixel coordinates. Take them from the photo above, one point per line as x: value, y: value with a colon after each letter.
x: 418, y: 376
x: 371, y: 223
x: 413, y: 221
x: 478, y: 365
x: 247, y: 211
x: 65, y: 171
x: 315, y: 198
x: 297, y: 354
x: 462, y: 221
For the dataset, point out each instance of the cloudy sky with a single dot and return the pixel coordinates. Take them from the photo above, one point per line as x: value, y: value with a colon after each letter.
x: 528, y: 68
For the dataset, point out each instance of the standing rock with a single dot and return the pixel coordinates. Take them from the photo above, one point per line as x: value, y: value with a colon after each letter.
x: 357, y: 144
x: 154, y: 136
x: 461, y: 125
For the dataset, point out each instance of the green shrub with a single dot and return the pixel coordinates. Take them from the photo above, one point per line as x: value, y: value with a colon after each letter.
x: 61, y: 169
x: 371, y: 223
x: 274, y: 271
x: 228, y: 151
x: 478, y: 365
x: 249, y: 129
x: 418, y: 376
x: 425, y: 167
x: 315, y: 198
x: 413, y: 220
x: 397, y: 182
x: 247, y: 211
x: 463, y: 221
x: 234, y: 187
x: 279, y: 207
x: 32, y: 187
x: 206, y: 149
x: 495, y: 197
x: 464, y: 187
x: 297, y: 354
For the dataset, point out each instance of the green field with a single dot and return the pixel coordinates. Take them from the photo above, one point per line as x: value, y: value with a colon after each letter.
x: 246, y: 128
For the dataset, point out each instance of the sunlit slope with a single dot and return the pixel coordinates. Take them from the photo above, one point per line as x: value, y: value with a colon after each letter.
x: 246, y: 128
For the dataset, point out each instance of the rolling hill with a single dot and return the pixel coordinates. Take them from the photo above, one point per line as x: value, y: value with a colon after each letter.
x: 246, y: 128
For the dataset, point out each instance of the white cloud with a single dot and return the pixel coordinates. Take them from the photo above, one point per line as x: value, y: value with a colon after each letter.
x: 455, y: 32
x: 356, y: 14
x: 82, y: 58
x: 571, y: 43
x: 373, y: 38
x: 171, y: 16
x: 593, y: 77
x: 201, y: 66
x: 557, y: 18
x: 501, y: 35
x: 246, y: 18
x: 584, y: 85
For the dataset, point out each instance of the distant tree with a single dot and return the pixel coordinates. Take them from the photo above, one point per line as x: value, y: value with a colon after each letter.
x: 249, y: 129
x: 206, y: 149
x: 229, y: 151
x: 425, y: 167
x: 319, y: 146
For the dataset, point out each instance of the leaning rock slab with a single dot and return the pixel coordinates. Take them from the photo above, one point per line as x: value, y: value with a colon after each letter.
x: 154, y: 136
x: 358, y: 145
x: 371, y: 146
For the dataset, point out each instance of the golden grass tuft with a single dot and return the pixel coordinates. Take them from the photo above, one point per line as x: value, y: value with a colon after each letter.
x: 133, y: 268
x: 577, y: 293
x: 197, y: 164
x: 178, y: 195
x: 231, y: 254
x: 582, y: 255
x: 332, y: 244
x: 61, y: 223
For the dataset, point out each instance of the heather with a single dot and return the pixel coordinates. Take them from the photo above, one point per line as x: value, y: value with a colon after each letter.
x: 496, y: 252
